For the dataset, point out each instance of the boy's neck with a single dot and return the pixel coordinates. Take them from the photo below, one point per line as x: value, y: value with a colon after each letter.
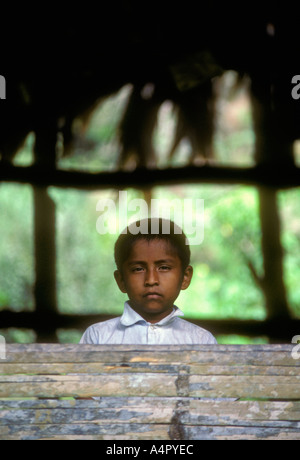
x: 153, y: 318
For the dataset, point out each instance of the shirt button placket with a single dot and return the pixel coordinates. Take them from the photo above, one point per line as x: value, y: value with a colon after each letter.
x: 152, y: 333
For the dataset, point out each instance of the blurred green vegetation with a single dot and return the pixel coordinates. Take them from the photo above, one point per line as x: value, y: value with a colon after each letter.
x: 222, y: 286
x: 16, y: 247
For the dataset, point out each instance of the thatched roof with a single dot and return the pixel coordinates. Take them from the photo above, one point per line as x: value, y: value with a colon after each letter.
x: 56, y: 68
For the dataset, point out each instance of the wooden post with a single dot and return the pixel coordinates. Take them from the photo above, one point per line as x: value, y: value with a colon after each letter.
x: 44, y: 238
x: 274, y: 150
x: 272, y: 282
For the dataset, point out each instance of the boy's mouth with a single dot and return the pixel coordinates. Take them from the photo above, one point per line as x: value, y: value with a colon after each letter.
x: 152, y: 295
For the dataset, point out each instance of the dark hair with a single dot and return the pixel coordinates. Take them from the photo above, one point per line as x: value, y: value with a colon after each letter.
x: 152, y: 229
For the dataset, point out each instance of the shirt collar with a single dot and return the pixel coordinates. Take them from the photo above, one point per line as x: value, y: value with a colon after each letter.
x: 131, y: 317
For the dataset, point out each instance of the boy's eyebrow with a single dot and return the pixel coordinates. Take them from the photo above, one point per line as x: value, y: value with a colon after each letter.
x: 136, y: 262
x: 143, y: 262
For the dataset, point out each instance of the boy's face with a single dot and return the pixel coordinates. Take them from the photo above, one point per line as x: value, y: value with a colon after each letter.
x: 152, y: 277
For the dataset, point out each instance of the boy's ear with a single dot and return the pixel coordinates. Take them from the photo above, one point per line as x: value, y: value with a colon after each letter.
x: 187, y: 277
x: 120, y: 282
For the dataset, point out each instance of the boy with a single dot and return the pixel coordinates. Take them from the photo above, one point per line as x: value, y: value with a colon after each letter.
x: 153, y: 266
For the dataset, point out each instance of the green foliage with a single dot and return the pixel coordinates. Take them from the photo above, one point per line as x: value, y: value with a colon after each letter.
x: 14, y: 335
x: 84, y: 258
x: 290, y: 236
x: 240, y: 339
x: 222, y: 285
x: 16, y: 247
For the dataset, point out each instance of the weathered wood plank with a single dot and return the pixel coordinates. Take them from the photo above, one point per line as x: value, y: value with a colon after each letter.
x: 239, y: 433
x: 225, y: 354
x: 189, y: 411
x: 92, y: 430
x: 144, y: 367
x: 281, y: 387
x: 145, y: 432
x: 243, y: 413
x: 75, y: 348
x: 275, y: 410
x: 87, y: 385
x: 150, y: 392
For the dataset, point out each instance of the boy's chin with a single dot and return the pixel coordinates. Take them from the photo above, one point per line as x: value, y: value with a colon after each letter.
x: 154, y: 308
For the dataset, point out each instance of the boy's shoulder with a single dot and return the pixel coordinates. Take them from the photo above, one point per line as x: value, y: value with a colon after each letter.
x: 94, y: 331
x: 106, y: 323
x: 196, y: 333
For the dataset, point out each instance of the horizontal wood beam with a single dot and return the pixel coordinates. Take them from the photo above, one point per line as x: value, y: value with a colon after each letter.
x: 280, y: 330
x: 275, y: 175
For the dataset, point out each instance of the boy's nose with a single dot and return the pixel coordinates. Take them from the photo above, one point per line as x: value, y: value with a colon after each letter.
x: 151, y: 278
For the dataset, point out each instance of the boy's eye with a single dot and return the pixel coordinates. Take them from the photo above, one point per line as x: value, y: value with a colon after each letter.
x: 137, y: 269
x: 164, y: 267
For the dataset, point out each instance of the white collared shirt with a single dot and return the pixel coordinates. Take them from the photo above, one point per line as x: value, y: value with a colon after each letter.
x: 131, y: 328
